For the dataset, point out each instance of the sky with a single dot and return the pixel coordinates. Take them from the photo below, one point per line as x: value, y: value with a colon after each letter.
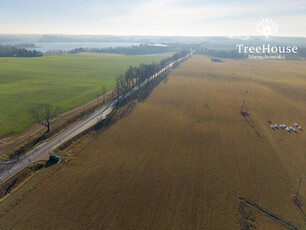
x: 151, y: 17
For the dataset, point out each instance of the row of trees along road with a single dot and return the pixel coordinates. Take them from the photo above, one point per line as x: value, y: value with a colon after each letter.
x: 134, y: 75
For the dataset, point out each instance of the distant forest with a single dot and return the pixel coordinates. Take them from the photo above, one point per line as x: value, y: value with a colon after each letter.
x: 302, y: 52
x: 12, y: 51
x: 133, y: 50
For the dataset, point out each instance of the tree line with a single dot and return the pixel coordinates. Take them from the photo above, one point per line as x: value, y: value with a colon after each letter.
x: 302, y: 52
x: 132, y: 50
x: 135, y: 75
x: 13, y: 51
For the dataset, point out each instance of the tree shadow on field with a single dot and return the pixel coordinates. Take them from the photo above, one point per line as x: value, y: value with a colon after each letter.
x: 127, y: 106
x: 145, y: 92
x: 123, y: 110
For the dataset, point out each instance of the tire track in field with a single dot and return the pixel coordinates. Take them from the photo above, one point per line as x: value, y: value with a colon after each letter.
x: 127, y: 188
x: 176, y: 220
x: 161, y: 159
x: 138, y: 169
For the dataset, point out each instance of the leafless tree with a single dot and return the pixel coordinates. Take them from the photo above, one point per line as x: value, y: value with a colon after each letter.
x: 118, y: 88
x: 103, y: 93
x: 43, y: 114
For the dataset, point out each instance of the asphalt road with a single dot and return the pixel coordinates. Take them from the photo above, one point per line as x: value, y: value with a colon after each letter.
x: 9, y: 169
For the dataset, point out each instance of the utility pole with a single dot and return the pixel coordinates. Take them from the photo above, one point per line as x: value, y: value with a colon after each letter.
x: 243, y: 110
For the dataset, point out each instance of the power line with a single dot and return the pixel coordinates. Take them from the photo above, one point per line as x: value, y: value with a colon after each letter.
x: 243, y: 110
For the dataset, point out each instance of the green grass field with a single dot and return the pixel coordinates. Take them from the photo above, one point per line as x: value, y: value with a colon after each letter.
x: 65, y: 81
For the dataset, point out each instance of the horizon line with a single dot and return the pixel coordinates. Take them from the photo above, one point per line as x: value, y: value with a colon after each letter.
x: 142, y: 35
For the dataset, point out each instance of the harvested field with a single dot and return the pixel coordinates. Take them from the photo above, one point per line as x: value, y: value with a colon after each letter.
x: 183, y: 157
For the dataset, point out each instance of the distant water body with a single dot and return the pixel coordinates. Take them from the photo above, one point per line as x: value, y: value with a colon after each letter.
x: 66, y: 46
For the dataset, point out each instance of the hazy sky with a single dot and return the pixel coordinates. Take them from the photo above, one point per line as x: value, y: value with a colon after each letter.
x: 151, y: 17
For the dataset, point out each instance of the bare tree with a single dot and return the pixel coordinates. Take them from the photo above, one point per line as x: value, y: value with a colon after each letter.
x: 103, y: 93
x: 118, y: 88
x: 43, y: 114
